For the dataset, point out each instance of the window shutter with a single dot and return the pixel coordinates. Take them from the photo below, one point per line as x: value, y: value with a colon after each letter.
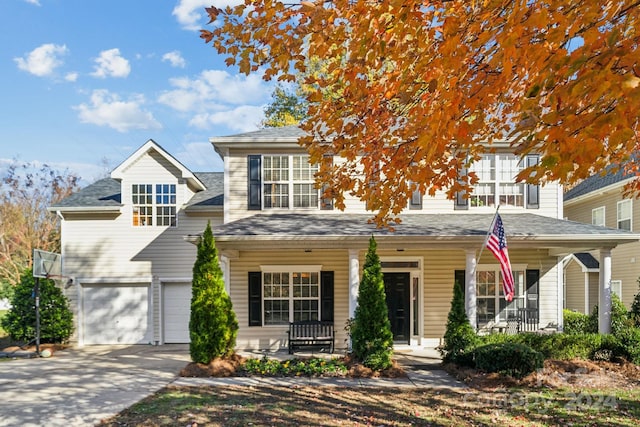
x: 461, y: 278
x: 460, y: 202
x: 326, y: 296
x: 326, y: 203
x: 531, y: 280
x: 255, y: 298
x: 533, y: 191
x: 254, y: 189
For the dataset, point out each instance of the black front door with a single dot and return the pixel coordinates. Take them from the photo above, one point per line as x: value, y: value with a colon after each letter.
x: 396, y: 286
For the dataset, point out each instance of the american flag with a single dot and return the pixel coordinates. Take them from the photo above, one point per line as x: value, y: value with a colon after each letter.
x: 497, y: 244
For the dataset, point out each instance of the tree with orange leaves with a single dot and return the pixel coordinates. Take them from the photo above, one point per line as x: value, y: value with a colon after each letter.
x: 413, y: 91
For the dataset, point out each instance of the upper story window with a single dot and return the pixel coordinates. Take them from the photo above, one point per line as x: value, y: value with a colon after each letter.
x: 497, y: 185
x: 597, y: 216
x: 283, y: 182
x: 624, y: 215
x: 154, y: 205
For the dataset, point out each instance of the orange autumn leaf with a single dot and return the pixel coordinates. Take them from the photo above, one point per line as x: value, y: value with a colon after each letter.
x: 413, y: 89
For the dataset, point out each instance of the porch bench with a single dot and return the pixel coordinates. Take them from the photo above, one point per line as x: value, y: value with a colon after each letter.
x: 310, y: 333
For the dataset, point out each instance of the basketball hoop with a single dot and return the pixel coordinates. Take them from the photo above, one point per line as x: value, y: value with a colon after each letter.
x: 46, y: 264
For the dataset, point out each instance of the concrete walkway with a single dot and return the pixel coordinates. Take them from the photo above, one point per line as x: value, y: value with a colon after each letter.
x: 80, y: 387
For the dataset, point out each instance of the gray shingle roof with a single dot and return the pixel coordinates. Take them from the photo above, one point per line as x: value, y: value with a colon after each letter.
x: 102, y: 193
x: 214, y: 194
x: 106, y: 193
x: 587, y: 260
x: 274, y: 133
x: 434, y: 225
x: 595, y: 182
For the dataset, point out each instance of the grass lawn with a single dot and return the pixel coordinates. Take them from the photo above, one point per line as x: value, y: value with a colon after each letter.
x: 339, y: 406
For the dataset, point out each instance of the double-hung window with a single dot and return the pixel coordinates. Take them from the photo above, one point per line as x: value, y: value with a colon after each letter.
x: 597, y: 216
x: 288, y: 182
x: 290, y: 296
x: 496, y: 181
x: 154, y: 205
x: 624, y: 215
x: 491, y: 305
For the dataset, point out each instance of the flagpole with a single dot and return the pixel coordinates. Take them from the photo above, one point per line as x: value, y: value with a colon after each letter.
x: 486, y: 238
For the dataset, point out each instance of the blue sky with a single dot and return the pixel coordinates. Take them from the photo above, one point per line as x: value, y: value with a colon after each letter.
x: 87, y: 82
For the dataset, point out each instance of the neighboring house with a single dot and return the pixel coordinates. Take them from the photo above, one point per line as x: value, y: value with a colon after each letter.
x: 287, y: 255
x: 599, y: 200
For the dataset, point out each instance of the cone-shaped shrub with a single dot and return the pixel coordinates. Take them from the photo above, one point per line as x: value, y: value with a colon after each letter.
x: 213, y: 326
x: 371, y: 335
x: 459, y: 336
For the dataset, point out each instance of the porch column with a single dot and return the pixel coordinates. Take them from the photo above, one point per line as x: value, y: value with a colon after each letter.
x: 354, y: 281
x: 604, y: 297
x: 224, y: 266
x: 470, y: 288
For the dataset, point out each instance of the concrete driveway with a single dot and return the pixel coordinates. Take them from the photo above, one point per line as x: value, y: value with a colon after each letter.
x: 80, y: 387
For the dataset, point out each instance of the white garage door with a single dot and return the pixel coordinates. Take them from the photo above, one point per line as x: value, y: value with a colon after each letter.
x: 176, y: 312
x: 116, y: 314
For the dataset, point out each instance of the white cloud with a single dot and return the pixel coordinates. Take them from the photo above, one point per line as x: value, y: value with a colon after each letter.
x: 111, y: 64
x: 174, y: 58
x: 107, y: 109
x: 190, y: 13
x: 212, y: 88
x: 200, y: 156
x: 43, y: 60
x: 71, y: 77
x: 242, y: 119
x: 35, y: 2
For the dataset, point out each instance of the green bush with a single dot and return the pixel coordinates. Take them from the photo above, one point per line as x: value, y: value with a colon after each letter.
x: 554, y: 346
x: 578, y: 323
x: 634, y: 313
x: 213, y: 326
x: 628, y: 344
x: 619, y: 316
x: 459, y: 336
x: 296, y: 367
x: 513, y: 359
x: 56, y: 319
x: 371, y: 336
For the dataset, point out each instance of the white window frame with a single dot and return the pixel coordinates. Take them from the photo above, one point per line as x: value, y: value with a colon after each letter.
x: 297, y: 177
x: 290, y: 270
x: 616, y: 288
x: 519, y: 300
x: 594, y: 216
x: 621, y: 205
x: 156, y: 207
x: 491, y: 170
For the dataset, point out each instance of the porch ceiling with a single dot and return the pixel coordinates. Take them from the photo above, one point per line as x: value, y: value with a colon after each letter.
x: 437, y: 231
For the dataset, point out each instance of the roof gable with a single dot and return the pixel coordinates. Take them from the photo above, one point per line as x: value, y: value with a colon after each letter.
x: 119, y: 172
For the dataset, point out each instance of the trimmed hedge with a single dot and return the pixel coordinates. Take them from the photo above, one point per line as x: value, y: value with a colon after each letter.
x: 514, y: 359
x: 579, y: 323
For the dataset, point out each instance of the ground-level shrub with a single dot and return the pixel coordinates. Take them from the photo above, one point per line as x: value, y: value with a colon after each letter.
x: 56, y: 318
x: 296, y: 367
x: 627, y: 344
x: 578, y: 323
x: 513, y: 359
x: 553, y: 346
x: 459, y: 338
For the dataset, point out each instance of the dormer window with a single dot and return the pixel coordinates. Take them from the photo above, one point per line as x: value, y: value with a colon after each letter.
x: 153, y: 205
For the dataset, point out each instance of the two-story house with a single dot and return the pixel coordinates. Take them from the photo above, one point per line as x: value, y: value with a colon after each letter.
x: 288, y: 255
x: 599, y: 200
